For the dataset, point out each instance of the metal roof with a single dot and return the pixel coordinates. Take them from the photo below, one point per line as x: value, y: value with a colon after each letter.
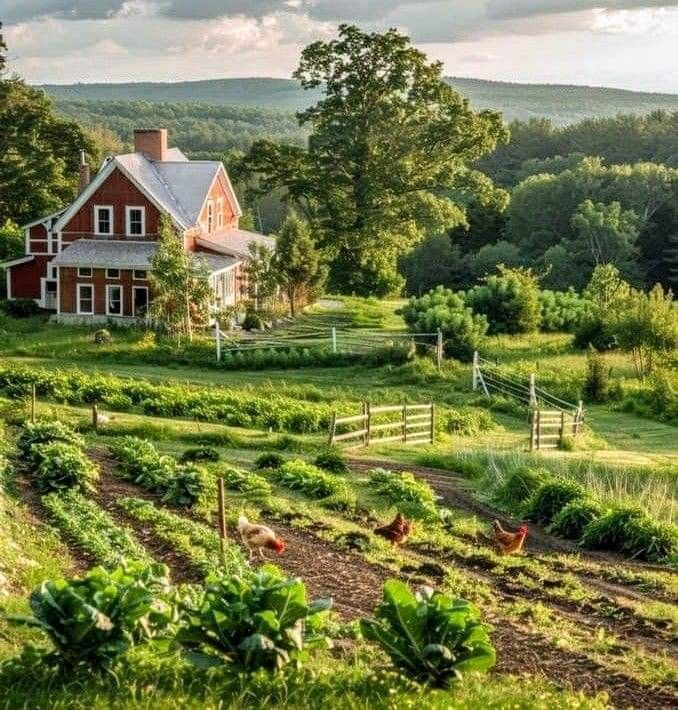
x: 98, y: 253
x: 235, y: 241
x: 217, y: 262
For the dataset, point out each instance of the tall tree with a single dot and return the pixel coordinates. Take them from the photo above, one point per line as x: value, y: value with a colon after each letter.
x: 3, y: 49
x: 39, y: 152
x: 298, y: 262
x: 11, y: 240
x: 181, y: 291
x: 388, y: 139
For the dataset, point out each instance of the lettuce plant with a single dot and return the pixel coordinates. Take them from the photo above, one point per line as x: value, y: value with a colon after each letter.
x: 61, y: 466
x: 428, y: 635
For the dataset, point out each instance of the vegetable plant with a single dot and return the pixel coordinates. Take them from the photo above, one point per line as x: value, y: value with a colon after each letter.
x: 255, y: 620
x: 571, y: 520
x: 269, y: 460
x: 203, y: 453
x: 413, y: 497
x: 301, y: 476
x: 61, y: 466
x: 45, y: 432
x: 93, y: 620
x: 331, y: 460
x: 551, y: 498
x: 428, y: 635
x: 253, y: 485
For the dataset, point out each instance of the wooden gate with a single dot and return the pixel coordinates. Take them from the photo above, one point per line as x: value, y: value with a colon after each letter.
x: 409, y: 424
x: 550, y: 427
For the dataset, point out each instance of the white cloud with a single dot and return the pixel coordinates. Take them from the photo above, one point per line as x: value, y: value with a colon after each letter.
x: 650, y: 22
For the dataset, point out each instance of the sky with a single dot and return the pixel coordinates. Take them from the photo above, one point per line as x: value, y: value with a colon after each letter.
x: 622, y: 43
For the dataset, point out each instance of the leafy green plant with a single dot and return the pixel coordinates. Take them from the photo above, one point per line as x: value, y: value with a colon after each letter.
x: 203, y: 453
x: 551, y: 498
x: 562, y: 311
x: 257, y: 620
x: 93, y: 620
x: 466, y: 421
x: 61, y: 466
x: 331, y: 460
x: 413, y: 497
x: 596, y: 385
x: 430, y: 636
x: 307, y: 478
x: 521, y: 485
x: 634, y: 533
x: 185, y: 485
x: 254, y: 486
x: 571, y: 520
x: 45, y: 432
x: 268, y: 460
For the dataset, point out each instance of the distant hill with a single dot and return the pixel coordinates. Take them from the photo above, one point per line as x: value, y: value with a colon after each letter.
x: 561, y: 103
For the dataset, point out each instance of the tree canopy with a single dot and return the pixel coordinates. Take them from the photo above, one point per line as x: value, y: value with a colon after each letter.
x: 388, y: 139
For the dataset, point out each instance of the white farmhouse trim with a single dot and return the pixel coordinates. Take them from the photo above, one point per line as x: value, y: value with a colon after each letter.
x: 111, y: 216
x: 128, y: 209
x: 109, y: 288
x: 85, y: 268
x: 78, y: 309
x: 113, y: 278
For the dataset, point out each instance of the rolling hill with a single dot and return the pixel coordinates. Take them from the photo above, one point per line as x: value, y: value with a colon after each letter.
x: 562, y: 103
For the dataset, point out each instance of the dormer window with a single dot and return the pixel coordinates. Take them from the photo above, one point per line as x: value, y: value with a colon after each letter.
x: 210, y: 217
x: 136, y: 221
x: 103, y: 219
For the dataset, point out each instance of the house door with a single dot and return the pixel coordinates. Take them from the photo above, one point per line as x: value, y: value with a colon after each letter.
x: 50, y: 295
x: 140, y: 297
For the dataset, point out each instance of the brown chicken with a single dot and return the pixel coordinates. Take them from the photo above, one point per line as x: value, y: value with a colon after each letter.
x: 396, y: 532
x: 259, y: 537
x: 509, y: 543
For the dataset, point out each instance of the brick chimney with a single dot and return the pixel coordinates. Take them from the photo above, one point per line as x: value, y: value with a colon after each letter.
x: 83, y: 172
x: 152, y: 142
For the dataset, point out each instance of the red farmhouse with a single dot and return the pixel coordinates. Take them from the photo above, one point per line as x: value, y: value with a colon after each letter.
x: 91, y: 260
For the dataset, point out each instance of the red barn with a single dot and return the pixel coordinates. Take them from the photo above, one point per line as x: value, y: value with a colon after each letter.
x: 91, y: 260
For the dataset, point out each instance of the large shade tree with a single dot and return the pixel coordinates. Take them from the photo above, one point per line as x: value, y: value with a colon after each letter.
x: 388, y: 142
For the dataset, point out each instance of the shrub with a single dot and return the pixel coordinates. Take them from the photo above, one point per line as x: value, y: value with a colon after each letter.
x: 466, y: 421
x: 102, y: 337
x: 93, y: 620
x: 634, y: 533
x: 551, y: 498
x: 301, y: 476
x: 509, y: 300
x: 45, y: 432
x: 203, y: 453
x: 252, y: 321
x: 331, y: 460
x: 562, y: 310
x: 593, y: 330
x: 61, y: 466
x: 261, y: 620
x: 430, y: 636
x: 411, y: 496
x: 184, y: 486
x: 268, y: 460
x: 256, y: 487
x: 21, y: 308
x: 521, y: 485
x: 571, y: 520
x: 596, y: 385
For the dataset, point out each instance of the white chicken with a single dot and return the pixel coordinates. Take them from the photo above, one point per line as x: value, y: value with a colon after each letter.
x: 259, y: 538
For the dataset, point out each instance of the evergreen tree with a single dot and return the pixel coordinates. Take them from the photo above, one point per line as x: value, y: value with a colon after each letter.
x: 11, y: 240
x: 298, y: 262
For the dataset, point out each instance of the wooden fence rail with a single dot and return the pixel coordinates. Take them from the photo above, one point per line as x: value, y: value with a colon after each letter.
x: 550, y: 427
x: 413, y: 424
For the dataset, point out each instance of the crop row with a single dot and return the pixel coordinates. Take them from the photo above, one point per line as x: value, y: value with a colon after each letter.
x: 93, y: 529
x: 194, y: 540
x: 212, y: 404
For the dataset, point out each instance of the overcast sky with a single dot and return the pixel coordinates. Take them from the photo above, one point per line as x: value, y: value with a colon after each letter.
x: 624, y: 43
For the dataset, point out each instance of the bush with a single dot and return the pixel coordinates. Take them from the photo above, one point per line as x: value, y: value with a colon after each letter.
x: 571, y: 520
x: 252, y: 321
x: 93, y: 620
x: 21, y: 308
x: 261, y: 620
x: 521, y: 485
x: 633, y: 533
x: 268, y: 460
x: 466, y: 421
x: 45, y: 432
x: 301, y: 476
x: 254, y: 486
x: 562, y: 311
x: 597, y: 384
x: 61, y: 466
x: 331, y: 460
x: 203, y: 453
x: 509, y: 300
x: 184, y: 486
x: 102, y: 337
x: 551, y: 498
x: 412, y: 497
x: 594, y: 331
x: 430, y: 636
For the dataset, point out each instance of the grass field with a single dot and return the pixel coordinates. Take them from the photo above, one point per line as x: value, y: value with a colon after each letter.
x: 572, y: 627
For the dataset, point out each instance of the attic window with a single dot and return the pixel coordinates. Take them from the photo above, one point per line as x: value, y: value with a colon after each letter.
x: 220, y: 213
x: 103, y: 219
x: 210, y: 217
x: 136, y: 221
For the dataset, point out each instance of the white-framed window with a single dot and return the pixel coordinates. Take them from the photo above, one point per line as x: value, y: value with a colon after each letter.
x: 140, y: 274
x: 210, y: 216
x: 135, y: 221
x: 113, y: 300
x: 139, y: 301
x: 52, y: 271
x: 85, y: 299
x: 103, y: 219
x: 220, y: 213
x: 112, y: 273
x: 85, y: 272
x: 53, y: 243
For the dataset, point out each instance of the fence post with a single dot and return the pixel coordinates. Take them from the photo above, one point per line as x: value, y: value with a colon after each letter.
x: 433, y: 422
x: 580, y: 417
x: 333, y: 428
x: 439, y: 349
x: 334, y: 340
x: 222, y: 520
x: 405, y: 423
x: 368, y: 423
x: 95, y: 417
x: 562, y: 428
x: 538, y: 430
x: 33, y: 403
x: 217, y: 335
x: 533, y: 390
x: 476, y: 361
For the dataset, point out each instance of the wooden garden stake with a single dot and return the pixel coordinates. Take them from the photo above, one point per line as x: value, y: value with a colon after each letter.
x: 222, y: 521
x: 95, y: 417
x: 33, y: 403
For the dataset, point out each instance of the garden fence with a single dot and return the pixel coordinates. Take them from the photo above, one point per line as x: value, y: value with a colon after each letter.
x: 550, y: 427
x: 409, y: 424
